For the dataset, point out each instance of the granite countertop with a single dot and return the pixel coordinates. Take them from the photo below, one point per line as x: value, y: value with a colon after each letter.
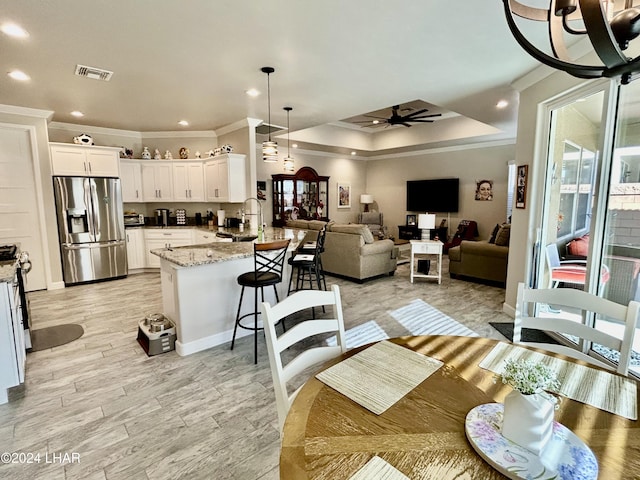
x: 216, y: 252
x: 8, y: 270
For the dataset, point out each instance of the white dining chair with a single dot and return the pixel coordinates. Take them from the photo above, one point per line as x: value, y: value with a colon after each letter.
x: 577, y: 300
x: 320, y: 352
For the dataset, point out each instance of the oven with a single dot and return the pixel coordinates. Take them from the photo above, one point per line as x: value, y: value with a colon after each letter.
x: 24, y: 267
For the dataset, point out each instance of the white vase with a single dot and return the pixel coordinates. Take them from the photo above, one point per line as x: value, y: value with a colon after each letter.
x: 528, y: 420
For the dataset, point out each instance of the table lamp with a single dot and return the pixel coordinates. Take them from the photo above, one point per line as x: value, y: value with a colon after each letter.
x: 426, y: 222
x: 366, y: 199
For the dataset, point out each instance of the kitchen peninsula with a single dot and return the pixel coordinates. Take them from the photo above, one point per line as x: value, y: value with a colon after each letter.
x: 200, y: 293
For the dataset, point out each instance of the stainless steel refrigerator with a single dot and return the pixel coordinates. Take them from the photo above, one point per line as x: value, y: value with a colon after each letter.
x: 90, y: 228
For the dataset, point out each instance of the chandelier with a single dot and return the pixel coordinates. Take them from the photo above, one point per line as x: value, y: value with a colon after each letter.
x: 269, y: 148
x: 609, y: 32
x: 289, y: 164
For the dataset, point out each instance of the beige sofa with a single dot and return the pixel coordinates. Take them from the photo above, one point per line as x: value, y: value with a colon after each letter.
x: 350, y: 250
x: 481, y: 260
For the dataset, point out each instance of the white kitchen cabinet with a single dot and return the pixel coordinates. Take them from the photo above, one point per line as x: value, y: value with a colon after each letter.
x: 12, y: 342
x: 131, y: 181
x: 157, y: 181
x: 136, y: 256
x: 68, y: 159
x: 161, y: 238
x: 225, y: 178
x: 188, y: 182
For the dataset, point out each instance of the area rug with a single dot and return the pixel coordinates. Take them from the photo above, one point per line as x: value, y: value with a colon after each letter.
x: 420, y: 318
x: 528, y: 335
x: 45, y: 338
x: 362, y: 334
x: 532, y: 335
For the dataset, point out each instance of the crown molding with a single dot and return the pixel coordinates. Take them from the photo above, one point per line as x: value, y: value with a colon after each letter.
x: 27, y: 112
x: 72, y: 127
x: 452, y: 148
x: 245, y: 122
x: 180, y: 134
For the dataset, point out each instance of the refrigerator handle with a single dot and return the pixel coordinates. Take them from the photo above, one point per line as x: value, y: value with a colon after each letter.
x: 86, y: 184
x: 94, y: 209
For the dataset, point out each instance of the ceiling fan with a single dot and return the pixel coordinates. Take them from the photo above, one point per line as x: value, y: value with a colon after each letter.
x: 397, y: 119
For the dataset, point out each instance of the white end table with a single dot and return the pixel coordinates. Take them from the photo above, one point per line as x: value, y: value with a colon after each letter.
x: 426, y: 247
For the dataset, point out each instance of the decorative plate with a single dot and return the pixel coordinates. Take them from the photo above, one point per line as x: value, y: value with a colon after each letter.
x: 565, y: 457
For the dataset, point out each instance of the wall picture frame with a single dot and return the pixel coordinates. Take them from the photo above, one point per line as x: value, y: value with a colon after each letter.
x: 344, y: 195
x: 411, y: 220
x: 521, y: 186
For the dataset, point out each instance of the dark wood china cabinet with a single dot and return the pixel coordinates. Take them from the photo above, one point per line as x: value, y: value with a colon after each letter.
x: 302, y: 196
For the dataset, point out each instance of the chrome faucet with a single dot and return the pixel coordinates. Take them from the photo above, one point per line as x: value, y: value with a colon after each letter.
x: 259, y: 215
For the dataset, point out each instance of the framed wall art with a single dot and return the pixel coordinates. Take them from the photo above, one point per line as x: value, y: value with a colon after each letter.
x: 521, y: 186
x: 411, y: 220
x: 344, y: 195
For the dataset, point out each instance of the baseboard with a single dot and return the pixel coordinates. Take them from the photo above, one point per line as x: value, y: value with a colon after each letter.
x: 55, y: 286
x: 509, y: 310
x: 184, y: 349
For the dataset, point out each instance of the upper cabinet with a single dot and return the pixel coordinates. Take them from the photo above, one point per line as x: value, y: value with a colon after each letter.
x: 188, y: 182
x: 131, y: 180
x: 225, y: 178
x: 157, y: 181
x: 68, y: 159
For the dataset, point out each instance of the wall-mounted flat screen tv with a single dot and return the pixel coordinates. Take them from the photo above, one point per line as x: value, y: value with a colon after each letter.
x: 436, y: 195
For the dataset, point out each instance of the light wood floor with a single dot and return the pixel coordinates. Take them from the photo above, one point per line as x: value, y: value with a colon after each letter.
x: 207, y: 415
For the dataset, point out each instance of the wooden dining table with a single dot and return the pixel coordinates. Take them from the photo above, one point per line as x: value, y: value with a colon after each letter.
x: 329, y: 436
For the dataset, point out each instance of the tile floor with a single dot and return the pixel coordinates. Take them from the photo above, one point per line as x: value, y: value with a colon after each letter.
x: 100, y: 408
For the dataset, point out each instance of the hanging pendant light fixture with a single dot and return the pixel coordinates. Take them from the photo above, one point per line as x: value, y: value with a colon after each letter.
x: 269, y: 148
x: 289, y: 164
x: 609, y: 32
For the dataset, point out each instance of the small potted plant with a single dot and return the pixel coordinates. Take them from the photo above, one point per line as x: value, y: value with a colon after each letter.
x: 528, y: 409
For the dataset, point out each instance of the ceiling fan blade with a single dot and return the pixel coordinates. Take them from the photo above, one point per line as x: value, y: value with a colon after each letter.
x: 416, y: 113
x: 421, y: 120
x: 372, y: 116
x: 405, y: 124
x: 425, y: 116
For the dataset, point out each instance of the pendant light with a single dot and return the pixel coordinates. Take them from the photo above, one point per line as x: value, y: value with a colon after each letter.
x: 289, y: 164
x: 269, y: 148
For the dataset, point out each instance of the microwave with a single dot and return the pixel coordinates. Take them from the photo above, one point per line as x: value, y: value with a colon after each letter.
x: 134, y: 220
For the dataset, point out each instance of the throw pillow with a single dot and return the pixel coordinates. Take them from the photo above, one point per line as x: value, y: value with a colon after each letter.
x: 502, y: 238
x: 579, y: 247
x: 494, y: 234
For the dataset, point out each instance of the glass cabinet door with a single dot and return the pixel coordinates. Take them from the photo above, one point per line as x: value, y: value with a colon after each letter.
x: 302, y: 196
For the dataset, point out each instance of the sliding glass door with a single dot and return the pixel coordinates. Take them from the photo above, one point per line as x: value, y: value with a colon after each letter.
x: 590, y: 227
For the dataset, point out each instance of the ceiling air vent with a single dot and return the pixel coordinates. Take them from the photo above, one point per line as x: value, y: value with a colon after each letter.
x: 93, y: 72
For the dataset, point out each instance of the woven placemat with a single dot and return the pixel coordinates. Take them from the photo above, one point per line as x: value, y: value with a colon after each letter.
x: 609, y: 392
x: 380, y: 375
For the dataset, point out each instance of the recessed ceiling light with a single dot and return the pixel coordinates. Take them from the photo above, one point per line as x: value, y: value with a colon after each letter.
x: 14, y: 30
x: 18, y: 75
x: 353, y: 153
x: 252, y: 92
x: 375, y: 122
x: 502, y: 104
x: 294, y: 145
x: 76, y: 113
x: 184, y: 123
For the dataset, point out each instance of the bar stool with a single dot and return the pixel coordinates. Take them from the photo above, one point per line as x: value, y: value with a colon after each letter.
x: 306, y: 263
x: 268, y: 261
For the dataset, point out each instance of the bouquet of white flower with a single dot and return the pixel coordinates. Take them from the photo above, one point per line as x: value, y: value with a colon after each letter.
x: 528, y: 377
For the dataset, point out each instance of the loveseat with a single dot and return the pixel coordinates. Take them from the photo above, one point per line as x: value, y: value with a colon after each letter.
x: 482, y: 260
x: 350, y: 250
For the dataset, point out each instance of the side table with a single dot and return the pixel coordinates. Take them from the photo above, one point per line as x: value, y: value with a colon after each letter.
x: 426, y: 247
